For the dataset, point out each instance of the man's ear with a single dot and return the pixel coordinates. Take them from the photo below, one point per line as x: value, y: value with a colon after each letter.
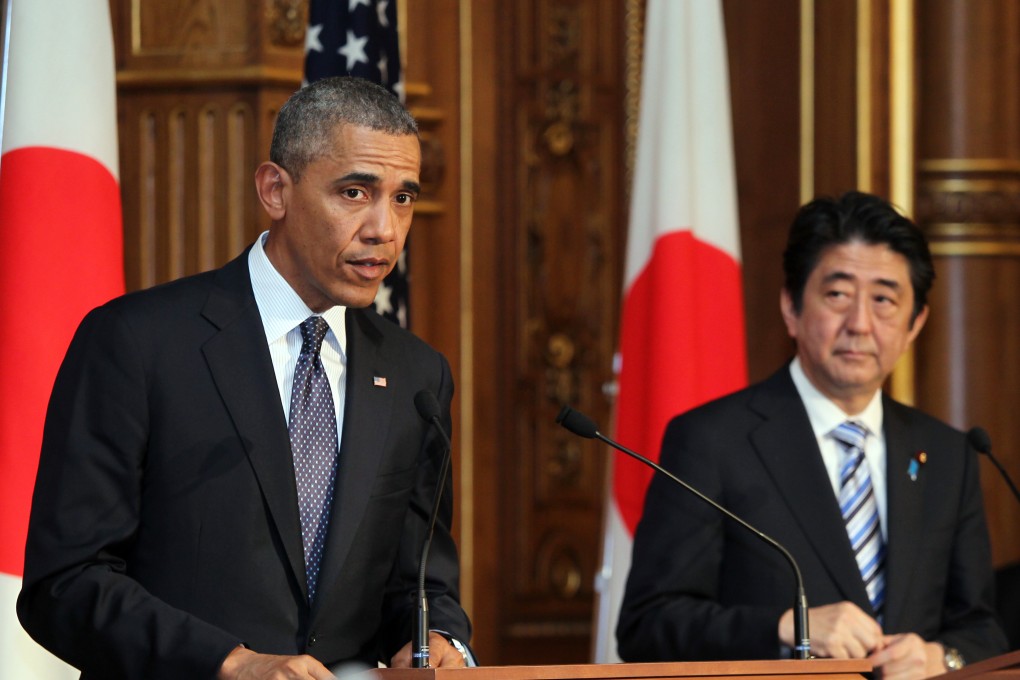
x: 790, y: 315
x: 917, y: 324
x: 270, y: 182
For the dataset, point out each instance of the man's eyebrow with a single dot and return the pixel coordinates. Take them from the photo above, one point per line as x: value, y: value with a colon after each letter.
x: 844, y: 276
x: 362, y: 177
x: 373, y: 180
x: 837, y: 276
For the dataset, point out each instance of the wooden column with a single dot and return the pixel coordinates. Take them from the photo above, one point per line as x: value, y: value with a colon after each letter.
x: 968, y: 202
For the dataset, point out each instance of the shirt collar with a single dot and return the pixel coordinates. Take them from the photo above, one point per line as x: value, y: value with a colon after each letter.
x: 280, y: 307
x: 824, y: 415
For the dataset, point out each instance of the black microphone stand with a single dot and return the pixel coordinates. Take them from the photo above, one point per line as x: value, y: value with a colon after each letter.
x: 582, y: 426
x: 428, y: 409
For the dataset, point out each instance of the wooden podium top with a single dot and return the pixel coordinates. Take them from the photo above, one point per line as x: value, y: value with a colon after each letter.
x: 829, y: 669
x: 1004, y: 666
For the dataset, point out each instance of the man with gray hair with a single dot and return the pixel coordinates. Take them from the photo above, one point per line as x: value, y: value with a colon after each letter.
x: 234, y: 481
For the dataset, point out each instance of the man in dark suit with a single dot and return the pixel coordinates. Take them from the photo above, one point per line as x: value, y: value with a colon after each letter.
x: 234, y: 480
x: 879, y: 503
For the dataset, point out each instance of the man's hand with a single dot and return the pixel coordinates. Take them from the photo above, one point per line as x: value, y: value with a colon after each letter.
x: 840, y: 631
x: 907, y: 656
x: 441, y: 654
x: 244, y: 664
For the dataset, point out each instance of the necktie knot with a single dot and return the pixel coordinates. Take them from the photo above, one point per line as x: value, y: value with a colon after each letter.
x: 851, y: 435
x: 313, y: 331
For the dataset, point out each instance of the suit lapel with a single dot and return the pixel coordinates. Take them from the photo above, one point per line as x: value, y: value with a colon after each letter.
x: 904, y: 511
x: 243, y: 372
x: 367, y: 408
x: 788, y: 449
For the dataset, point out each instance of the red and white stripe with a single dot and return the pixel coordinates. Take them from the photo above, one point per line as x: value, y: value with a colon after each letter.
x: 682, y: 327
x: 62, y: 254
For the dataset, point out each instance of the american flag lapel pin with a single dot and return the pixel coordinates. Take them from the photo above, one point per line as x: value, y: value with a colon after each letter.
x: 918, y: 459
x: 378, y: 381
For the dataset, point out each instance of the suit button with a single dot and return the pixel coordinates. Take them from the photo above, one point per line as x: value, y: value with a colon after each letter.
x: 312, y: 639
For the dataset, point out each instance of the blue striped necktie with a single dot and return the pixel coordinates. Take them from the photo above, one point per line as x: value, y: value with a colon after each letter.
x: 313, y: 443
x: 860, y: 512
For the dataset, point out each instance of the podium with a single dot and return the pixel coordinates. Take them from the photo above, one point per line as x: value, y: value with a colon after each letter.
x: 998, y: 667
x: 813, y: 669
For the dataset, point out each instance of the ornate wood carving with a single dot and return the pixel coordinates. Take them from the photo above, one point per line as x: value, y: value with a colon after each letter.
x: 563, y: 233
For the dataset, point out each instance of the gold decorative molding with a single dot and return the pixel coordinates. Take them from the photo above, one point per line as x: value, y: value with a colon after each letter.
x: 634, y: 21
x: 466, y: 279
x: 287, y: 21
x: 969, y: 165
x: 968, y: 185
x: 807, y: 100
x: 968, y: 202
x: 241, y: 76
x: 974, y: 249
x: 973, y: 231
x: 865, y: 161
x: 902, y: 70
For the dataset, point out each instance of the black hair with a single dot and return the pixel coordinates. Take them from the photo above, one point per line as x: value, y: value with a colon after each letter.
x: 308, y: 120
x: 854, y: 216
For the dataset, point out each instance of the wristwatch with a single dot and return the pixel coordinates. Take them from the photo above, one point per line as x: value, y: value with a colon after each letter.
x: 953, y: 659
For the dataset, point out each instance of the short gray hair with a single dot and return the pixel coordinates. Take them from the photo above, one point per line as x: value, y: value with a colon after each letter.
x: 308, y: 120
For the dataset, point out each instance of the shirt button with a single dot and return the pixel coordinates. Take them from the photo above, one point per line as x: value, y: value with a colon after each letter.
x: 312, y: 639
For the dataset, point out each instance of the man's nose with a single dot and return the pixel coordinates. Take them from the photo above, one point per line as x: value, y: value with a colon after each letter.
x: 380, y: 224
x: 859, y: 318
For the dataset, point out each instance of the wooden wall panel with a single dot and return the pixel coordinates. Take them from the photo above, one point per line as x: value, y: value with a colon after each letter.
x: 968, y: 358
x: 764, y: 64
x: 835, y: 88
x: 561, y: 234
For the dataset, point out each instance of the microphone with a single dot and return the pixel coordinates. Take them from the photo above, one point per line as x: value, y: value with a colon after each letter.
x: 978, y: 438
x: 583, y: 426
x: 428, y: 409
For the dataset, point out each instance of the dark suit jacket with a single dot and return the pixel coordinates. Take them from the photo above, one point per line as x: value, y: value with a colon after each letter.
x: 702, y: 587
x: 164, y: 527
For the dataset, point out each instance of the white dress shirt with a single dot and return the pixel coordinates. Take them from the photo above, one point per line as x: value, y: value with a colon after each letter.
x: 825, y: 416
x: 282, y: 312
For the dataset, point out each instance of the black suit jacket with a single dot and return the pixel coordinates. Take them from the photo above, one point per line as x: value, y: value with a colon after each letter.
x: 164, y: 527
x: 702, y: 587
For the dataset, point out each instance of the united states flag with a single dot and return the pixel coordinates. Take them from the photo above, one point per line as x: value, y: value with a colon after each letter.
x: 359, y: 38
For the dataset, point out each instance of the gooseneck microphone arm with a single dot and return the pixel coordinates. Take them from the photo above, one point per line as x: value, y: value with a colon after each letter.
x: 978, y: 438
x: 583, y: 426
x: 428, y: 409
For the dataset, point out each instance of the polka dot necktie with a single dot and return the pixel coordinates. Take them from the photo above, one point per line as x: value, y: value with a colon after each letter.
x: 860, y: 512
x: 313, y: 443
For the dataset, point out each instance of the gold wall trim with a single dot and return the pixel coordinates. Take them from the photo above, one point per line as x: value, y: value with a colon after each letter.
x: 902, y: 69
x: 807, y: 100
x: 971, y: 185
x: 979, y: 231
x: 969, y: 165
x: 183, y: 77
x: 865, y: 142
x: 974, y: 249
x: 466, y: 415
x: 633, y: 48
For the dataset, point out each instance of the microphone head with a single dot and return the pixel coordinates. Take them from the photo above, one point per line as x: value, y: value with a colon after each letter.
x: 578, y: 423
x: 427, y: 405
x: 978, y: 438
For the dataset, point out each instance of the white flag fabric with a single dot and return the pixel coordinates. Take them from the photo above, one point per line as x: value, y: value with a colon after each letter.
x: 62, y: 254
x: 682, y: 326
